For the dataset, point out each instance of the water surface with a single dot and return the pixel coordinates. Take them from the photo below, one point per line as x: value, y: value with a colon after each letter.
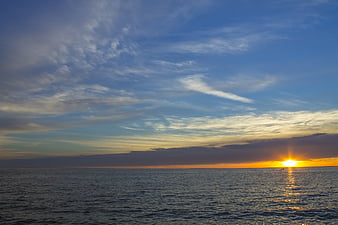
x: 156, y: 196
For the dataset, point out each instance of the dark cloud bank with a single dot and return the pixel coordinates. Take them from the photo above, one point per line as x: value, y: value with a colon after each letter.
x: 307, y: 147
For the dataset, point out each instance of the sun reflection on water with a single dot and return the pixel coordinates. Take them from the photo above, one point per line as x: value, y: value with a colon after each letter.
x: 291, y: 188
x: 291, y: 177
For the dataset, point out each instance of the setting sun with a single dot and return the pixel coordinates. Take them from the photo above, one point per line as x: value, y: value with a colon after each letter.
x: 290, y: 163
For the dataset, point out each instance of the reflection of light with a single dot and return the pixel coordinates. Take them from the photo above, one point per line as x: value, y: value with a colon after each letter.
x: 291, y: 192
x: 290, y: 163
x: 291, y: 178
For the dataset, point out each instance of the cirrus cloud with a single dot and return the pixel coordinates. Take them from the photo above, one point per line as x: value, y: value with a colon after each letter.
x: 196, y: 83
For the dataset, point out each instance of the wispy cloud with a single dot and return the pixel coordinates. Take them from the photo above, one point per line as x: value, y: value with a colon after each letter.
x: 293, y: 102
x: 157, y: 69
x: 65, y: 51
x: 196, y: 83
x: 72, y: 99
x: 250, y: 83
x: 242, y: 37
x: 272, y: 124
x: 214, y: 45
x: 224, y: 40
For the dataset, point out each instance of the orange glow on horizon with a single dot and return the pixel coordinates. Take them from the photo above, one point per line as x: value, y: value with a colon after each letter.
x: 267, y: 164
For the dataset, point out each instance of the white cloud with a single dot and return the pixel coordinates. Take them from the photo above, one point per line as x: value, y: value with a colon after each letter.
x: 196, y: 83
x: 124, y: 144
x: 181, y: 64
x: 214, y: 45
x: 279, y: 123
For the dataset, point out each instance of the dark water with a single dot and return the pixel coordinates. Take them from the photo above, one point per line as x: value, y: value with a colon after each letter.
x: 195, y: 196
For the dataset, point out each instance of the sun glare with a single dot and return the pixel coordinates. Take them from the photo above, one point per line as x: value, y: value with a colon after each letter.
x: 290, y: 163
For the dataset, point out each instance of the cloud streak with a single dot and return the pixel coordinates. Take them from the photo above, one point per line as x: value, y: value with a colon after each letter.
x: 278, y: 122
x: 196, y: 83
x: 215, y: 45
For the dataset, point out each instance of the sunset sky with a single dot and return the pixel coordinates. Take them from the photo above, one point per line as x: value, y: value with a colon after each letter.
x: 191, y: 83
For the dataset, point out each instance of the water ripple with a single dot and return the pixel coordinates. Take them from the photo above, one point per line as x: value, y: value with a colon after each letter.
x: 220, y: 196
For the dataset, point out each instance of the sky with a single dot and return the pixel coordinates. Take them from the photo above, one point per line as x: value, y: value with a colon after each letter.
x: 196, y: 83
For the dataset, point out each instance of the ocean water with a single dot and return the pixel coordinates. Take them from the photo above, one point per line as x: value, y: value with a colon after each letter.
x: 159, y: 196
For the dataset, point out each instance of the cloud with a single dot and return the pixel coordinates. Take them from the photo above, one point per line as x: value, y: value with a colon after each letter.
x: 64, y: 49
x: 44, y: 66
x: 281, y: 122
x: 46, y: 111
x: 250, y: 83
x: 69, y: 99
x: 215, y: 45
x: 195, y: 83
x: 290, y: 102
x: 248, y: 126
x: 157, y: 69
x: 175, y: 64
x: 8, y: 125
x: 224, y: 40
x: 175, y: 132
x: 245, y: 35
x: 306, y: 148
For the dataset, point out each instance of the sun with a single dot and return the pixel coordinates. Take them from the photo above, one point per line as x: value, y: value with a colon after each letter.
x: 290, y: 163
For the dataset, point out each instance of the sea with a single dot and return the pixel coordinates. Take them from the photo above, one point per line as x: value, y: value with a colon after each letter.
x: 169, y: 196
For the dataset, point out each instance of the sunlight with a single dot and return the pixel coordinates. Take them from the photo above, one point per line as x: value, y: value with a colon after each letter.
x: 290, y: 163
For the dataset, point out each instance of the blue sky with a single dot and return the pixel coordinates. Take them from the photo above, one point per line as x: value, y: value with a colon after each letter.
x: 106, y: 77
